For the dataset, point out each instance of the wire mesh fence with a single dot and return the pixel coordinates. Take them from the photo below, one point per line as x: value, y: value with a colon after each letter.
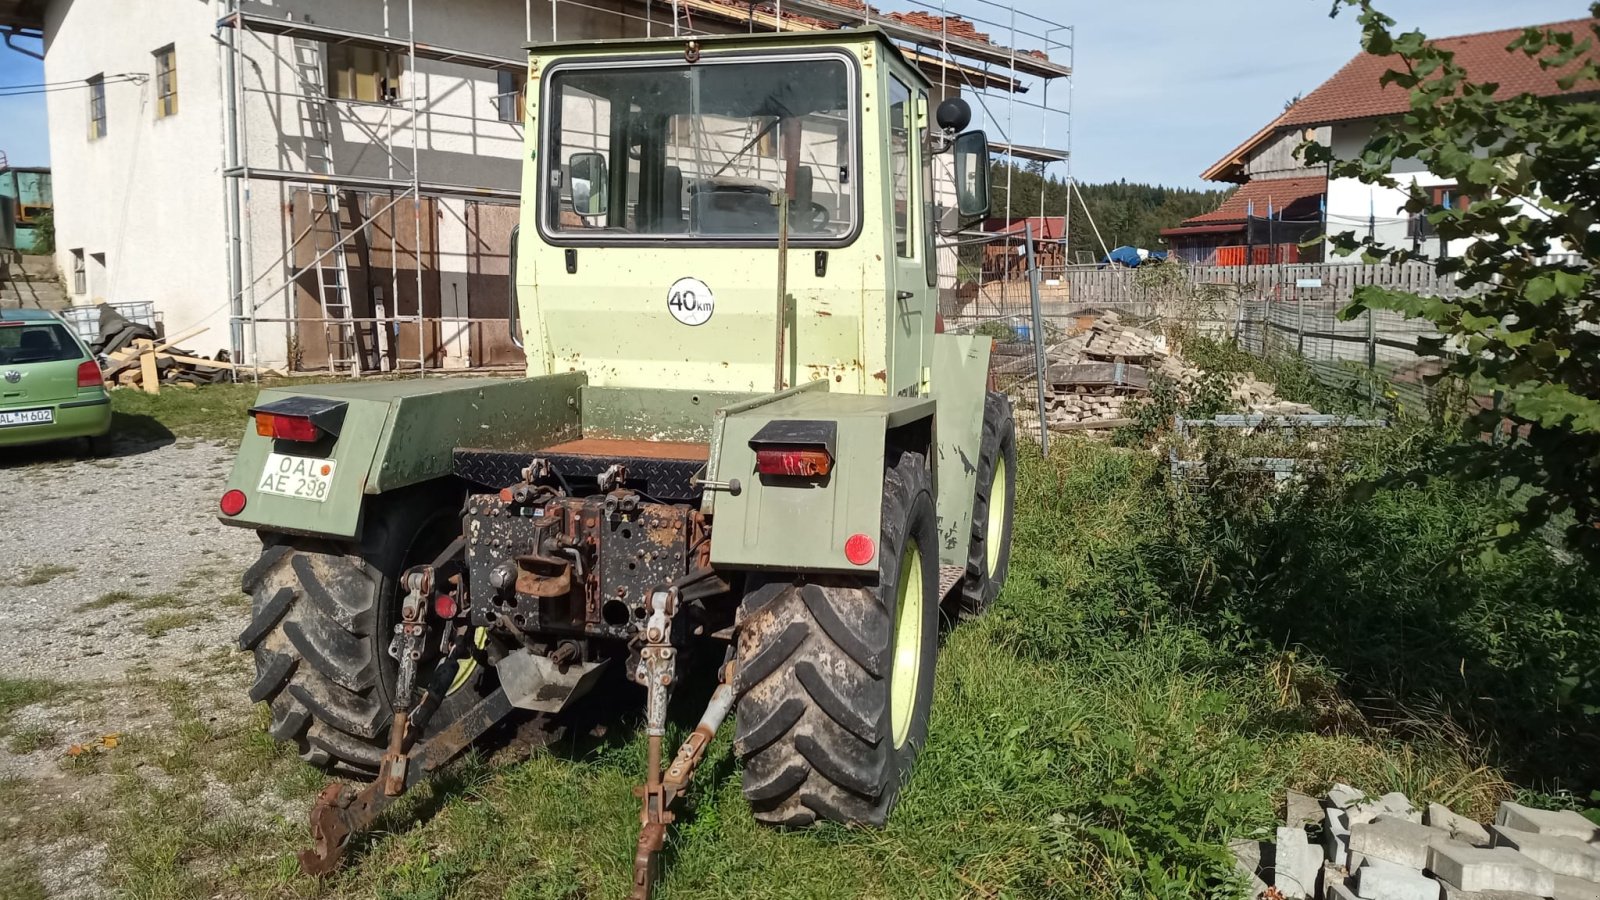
x: 1269, y: 310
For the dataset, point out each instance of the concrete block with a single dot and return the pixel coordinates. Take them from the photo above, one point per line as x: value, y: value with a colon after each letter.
x: 1559, y: 853
x: 1332, y: 876
x: 1392, y: 840
x: 1377, y: 880
x: 1493, y: 869
x: 1344, y: 796
x: 1395, y: 805
x: 1247, y: 857
x: 1300, y: 810
x: 1546, y: 821
x: 1460, y: 827
x: 1295, y: 864
x: 1569, y: 888
x: 1335, y: 837
x: 1451, y: 892
x: 1340, y: 892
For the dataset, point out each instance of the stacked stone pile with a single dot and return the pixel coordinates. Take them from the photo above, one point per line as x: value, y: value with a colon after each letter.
x: 1095, y: 378
x: 1348, y: 845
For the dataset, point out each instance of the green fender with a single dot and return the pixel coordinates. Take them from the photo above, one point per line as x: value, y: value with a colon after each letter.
x: 789, y: 524
x: 399, y: 433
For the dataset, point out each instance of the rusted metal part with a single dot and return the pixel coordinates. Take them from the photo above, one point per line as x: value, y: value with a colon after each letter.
x: 341, y: 811
x: 660, y: 792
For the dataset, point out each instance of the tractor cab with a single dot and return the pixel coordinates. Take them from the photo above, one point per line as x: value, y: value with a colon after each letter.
x: 667, y: 177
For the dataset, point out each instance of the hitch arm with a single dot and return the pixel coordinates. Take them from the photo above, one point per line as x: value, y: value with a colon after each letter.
x: 341, y: 811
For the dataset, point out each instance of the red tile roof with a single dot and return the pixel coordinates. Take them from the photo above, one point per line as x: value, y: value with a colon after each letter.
x: 1354, y: 93
x: 1290, y: 198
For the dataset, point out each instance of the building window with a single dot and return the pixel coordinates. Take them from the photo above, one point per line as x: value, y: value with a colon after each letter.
x: 97, y: 107
x: 362, y: 73
x: 166, y: 82
x: 1448, y: 196
x: 80, y: 275
x: 508, y: 97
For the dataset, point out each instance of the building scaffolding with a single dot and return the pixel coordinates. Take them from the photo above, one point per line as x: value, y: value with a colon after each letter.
x: 1003, y: 79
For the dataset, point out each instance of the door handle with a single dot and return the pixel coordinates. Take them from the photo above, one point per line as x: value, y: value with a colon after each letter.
x: 903, y: 295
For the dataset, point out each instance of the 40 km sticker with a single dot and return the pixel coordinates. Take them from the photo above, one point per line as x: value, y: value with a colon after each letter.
x: 690, y: 301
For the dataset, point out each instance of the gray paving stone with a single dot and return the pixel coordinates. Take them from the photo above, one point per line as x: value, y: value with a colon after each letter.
x: 1546, y: 821
x: 1344, y: 796
x: 1295, y: 864
x: 1569, y: 888
x: 1335, y: 836
x: 1493, y: 869
x: 1247, y: 857
x: 1300, y: 810
x: 1559, y: 853
x: 1395, y: 805
x: 1378, y: 880
x: 1460, y: 827
x: 1392, y: 840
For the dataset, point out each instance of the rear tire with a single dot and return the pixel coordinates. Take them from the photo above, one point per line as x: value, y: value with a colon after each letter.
x: 821, y: 728
x: 993, y: 506
x: 322, y: 617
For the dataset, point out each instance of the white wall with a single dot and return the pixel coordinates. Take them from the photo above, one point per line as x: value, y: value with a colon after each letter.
x: 1351, y: 202
x: 147, y: 195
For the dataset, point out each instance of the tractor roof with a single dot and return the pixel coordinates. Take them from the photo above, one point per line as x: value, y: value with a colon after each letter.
x: 803, y: 38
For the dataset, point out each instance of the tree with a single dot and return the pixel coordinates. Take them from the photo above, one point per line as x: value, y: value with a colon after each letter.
x: 1529, y: 327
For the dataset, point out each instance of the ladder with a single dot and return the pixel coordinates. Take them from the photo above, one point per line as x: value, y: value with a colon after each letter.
x: 326, y: 226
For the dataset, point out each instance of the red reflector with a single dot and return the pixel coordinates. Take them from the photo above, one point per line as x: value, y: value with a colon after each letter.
x: 805, y: 463
x: 232, y: 502
x: 859, y: 549
x: 287, y: 428
x: 89, y: 375
x: 444, y: 606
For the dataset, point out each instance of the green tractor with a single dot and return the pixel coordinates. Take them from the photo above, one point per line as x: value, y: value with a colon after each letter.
x: 742, y: 435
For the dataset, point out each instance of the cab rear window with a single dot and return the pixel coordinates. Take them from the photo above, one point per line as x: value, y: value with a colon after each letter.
x: 32, y: 343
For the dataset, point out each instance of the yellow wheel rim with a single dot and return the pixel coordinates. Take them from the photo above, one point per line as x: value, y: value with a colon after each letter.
x: 907, y: 669
x: 995, y: 530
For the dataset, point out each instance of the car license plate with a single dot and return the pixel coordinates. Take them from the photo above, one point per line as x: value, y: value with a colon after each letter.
x: 27, y: 417
x: 301, y: 477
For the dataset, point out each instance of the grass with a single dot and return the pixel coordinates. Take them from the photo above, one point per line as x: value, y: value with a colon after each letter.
x: 162, y: 623
x: 27, y: 740
x: 16, y: 693
x: 132, y: 600
x: 19, y: 879
x: 43, y: 574
x: 215, y: 412
x: 1160, y: 668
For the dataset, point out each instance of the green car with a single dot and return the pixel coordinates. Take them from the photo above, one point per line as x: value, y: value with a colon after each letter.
x: 50, y: 384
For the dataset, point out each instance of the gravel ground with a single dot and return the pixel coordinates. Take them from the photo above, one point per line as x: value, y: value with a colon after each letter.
x: 141, y: 523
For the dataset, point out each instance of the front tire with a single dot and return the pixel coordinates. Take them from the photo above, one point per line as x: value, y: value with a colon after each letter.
x: 835, y: 674
x: 322, y: 617
x: 993, y: 504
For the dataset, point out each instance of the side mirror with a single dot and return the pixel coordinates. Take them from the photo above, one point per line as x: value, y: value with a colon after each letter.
x: 587, y: 174
x: 971, y: 159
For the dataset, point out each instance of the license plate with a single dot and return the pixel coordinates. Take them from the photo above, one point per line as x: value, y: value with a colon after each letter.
x: 301, y: 477
x: 27, y: 417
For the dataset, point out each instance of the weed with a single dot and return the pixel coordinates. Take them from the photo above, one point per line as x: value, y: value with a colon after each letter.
x: 16, y: 693
x: 27, y: 740
x: 162, y: 623
x: 108, y: 600
x: 42, y: 575
x: 19, y: 876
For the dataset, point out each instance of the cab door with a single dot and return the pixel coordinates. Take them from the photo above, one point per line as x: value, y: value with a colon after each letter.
x: 910, y: 297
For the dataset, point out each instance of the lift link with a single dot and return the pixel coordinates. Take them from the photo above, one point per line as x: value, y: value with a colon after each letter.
x: 411, y: 636
x: 656, y: 663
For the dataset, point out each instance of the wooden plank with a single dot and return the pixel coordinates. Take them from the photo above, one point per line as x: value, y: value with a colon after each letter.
x: 149, y: 377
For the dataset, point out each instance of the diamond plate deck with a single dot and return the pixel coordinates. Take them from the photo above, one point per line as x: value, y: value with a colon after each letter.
x: 949, y: 577
x: 666, y: 480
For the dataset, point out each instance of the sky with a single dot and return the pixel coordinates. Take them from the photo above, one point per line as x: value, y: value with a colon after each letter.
x: 1163, y: 87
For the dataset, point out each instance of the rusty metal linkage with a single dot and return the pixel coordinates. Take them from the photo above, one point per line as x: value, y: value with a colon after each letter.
x: 341, y: 812
x: 659, y: 792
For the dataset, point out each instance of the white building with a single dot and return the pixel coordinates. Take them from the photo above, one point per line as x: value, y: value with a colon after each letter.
x: 1341, y: 114
x: 324, y: 93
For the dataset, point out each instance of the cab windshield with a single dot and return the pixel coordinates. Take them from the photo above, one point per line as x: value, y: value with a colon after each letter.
x: 701, y: 151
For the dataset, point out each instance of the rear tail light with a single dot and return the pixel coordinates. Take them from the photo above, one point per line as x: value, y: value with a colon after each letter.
x: 89, y: 374
x: 287, y: 428
x: 802, y: 463
x: 232, y: 503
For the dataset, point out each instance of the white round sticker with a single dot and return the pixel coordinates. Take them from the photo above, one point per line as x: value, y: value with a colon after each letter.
x: 690, y: 301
